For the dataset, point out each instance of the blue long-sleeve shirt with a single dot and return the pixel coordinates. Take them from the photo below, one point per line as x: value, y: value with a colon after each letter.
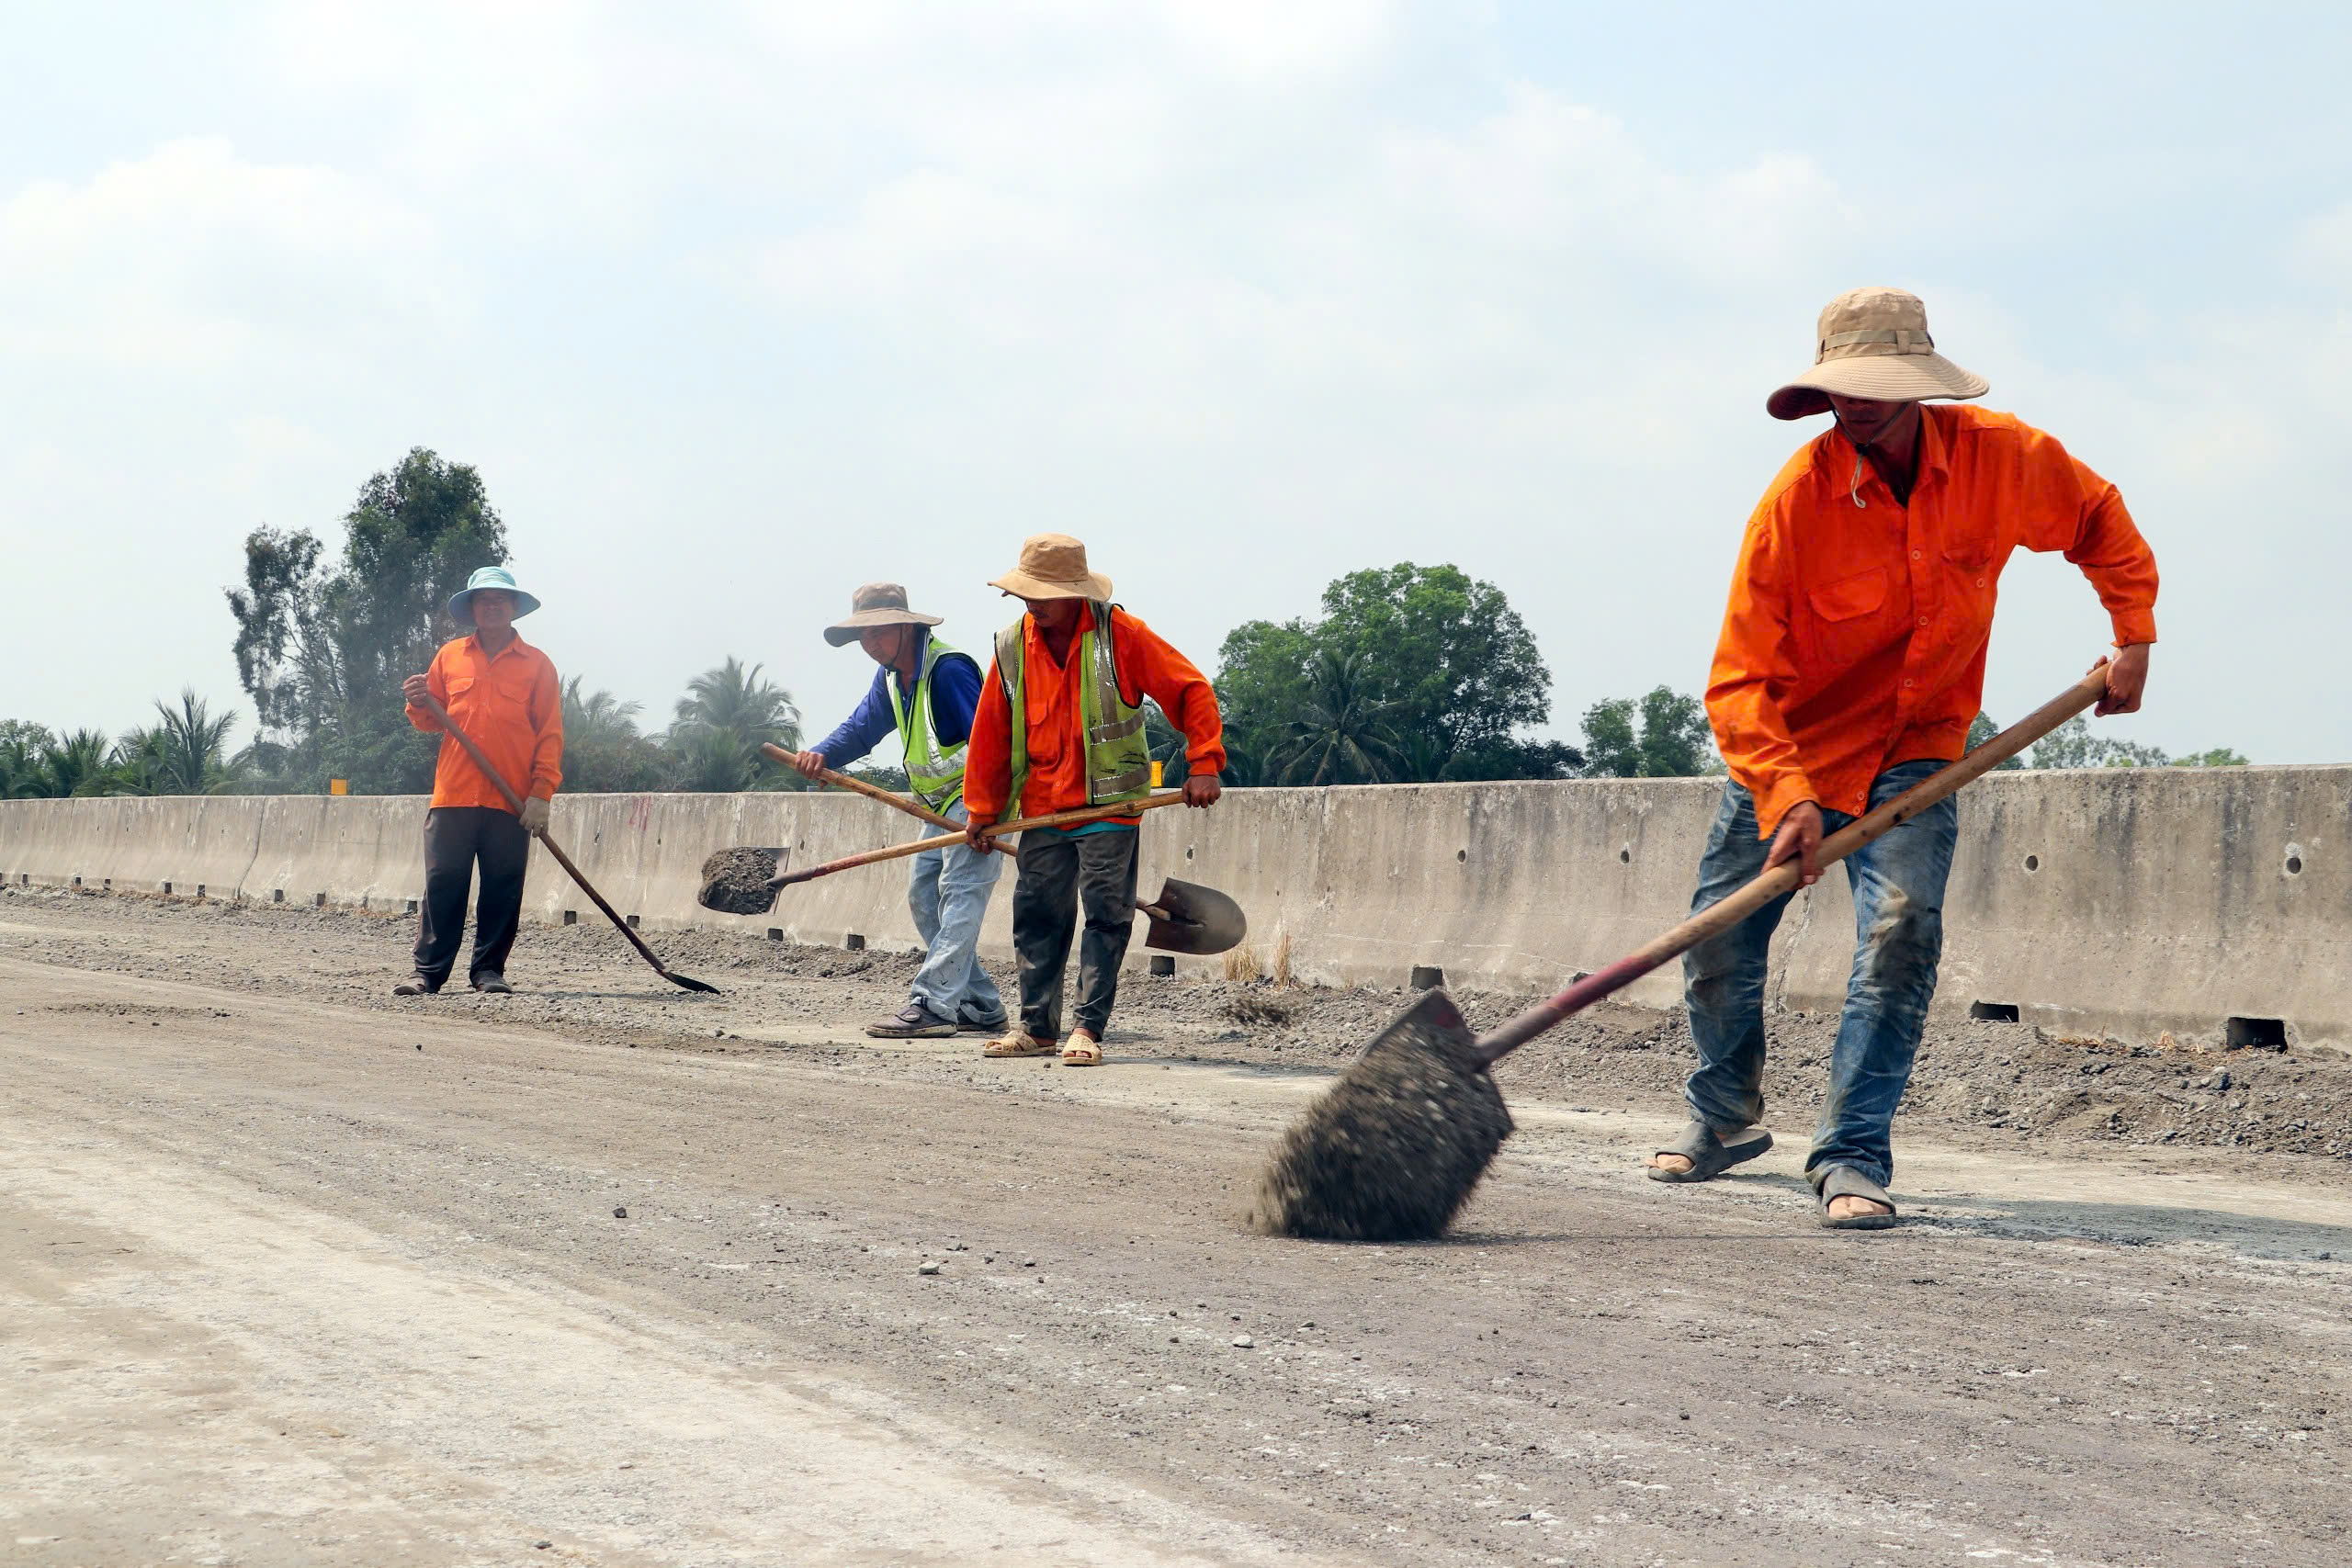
x: 955, y: 692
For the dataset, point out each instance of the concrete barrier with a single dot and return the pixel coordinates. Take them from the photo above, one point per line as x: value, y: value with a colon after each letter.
x: 140, y: 844
x: 2128, y: 901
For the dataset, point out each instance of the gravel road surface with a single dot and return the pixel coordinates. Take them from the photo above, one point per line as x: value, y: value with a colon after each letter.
x: 603, y: 1273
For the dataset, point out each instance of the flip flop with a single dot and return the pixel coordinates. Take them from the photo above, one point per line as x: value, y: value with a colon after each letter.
x: 1083, y: 1050
x: 1709, y: 1156
x: 1844, y: 1181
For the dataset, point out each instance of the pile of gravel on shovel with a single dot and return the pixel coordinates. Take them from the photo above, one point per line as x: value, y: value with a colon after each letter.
x: 1396, y: 1145
x: 735, y: 882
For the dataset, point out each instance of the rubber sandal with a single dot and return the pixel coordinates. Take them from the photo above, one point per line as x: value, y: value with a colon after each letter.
x: 1709, y: 1156
x: 1083, y: 1051
x: 1844, y: 1181
x: 1018, y: 1042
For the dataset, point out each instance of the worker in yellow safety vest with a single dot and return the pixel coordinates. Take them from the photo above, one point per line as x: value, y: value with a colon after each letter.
x: 925, y: 691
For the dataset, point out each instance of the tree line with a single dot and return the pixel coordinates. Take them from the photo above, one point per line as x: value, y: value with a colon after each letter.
x: 1407, y: 674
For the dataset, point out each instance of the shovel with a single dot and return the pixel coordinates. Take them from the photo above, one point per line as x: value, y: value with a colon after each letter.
x: 1395, y: 1147
x: 1185, y: 917
x: 450, y: 727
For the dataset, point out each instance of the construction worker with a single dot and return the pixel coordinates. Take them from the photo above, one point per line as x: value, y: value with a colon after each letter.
x: 502, y: 692
x: 1060, y: 725
x: 1851, y: 664
x: 925, y: 691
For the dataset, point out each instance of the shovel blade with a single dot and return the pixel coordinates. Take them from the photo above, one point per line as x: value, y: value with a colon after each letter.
x: 1199, y: 919
x: 735, y: 882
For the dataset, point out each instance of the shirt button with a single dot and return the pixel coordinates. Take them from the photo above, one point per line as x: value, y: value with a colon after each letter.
x: 1923, y: 620
x: 1980, y: 582
x: 1907, y: 683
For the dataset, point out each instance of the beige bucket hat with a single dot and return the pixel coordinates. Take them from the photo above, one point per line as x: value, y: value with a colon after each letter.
x: 1873, y: 342
x: 877, y: 604
x: 1053, y: 566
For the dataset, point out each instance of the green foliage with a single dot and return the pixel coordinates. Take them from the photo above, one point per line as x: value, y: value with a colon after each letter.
x: 881, y: 777
x: 1167, y: 745
x: 1983, y: 728
x: 603, y: 752
x: 2219, y: 757
x: 2075, y: 744
x: 76, y: 764
x: 1342, y: 731
x: 22, y: 746
x: 323, y: 652
x: 1440, y: 673
x: 727, y: 712
x: 185, y: 752
x: 1662, y: 735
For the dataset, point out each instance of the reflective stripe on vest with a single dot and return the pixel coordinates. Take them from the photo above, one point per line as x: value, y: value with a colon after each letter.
x: 1118, y: 756
x: 935, y: 772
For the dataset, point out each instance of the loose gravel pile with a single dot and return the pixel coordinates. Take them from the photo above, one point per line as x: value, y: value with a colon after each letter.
x: 2006, y: 1082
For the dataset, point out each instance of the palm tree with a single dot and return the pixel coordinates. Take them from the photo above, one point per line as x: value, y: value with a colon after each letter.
x: 733, y: 698
x: 725, y: 716
x: 1342, y: 733
x: 191, y: 748
x: 597, y: 717
x: 76, y: 764
x: 713, y: 760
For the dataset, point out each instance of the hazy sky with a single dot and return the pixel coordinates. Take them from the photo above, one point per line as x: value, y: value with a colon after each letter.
x: 737, y: 306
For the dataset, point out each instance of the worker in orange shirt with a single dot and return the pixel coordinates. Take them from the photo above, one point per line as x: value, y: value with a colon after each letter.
x: 502, y: 692
x: 1059, y: 725
x: 1851, y: 664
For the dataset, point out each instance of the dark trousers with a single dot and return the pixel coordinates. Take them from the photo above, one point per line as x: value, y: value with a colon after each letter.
x: 455, y: 838
x: 1059, y: 872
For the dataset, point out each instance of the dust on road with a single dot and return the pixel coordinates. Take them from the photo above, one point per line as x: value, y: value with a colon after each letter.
x: 283, y: 1286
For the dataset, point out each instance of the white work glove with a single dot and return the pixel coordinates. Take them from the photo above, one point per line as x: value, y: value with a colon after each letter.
x: 535, y: 814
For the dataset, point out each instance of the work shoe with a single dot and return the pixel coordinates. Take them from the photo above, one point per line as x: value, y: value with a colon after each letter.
x: 417, y: 986
x: 967, y: 1024
x: 913, y: 1022
x: 491, y: 982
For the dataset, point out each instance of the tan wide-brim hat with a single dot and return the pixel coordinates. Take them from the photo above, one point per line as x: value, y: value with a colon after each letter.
x: 1053, y: 566
x: 1873, y: 342
x: 877, y: 604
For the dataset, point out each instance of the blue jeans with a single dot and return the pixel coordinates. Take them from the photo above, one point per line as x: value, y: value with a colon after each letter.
x: 1898, y: 883
x: 948, y: 896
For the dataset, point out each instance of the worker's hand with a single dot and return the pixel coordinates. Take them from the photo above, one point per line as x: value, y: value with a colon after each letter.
x: 415, y: 690
x: 1800, y: 836
x: 535, y: 814
x: 976, y: 837
x: 810, y: 763
x: 2127, y: 678
x: 1202, y: 789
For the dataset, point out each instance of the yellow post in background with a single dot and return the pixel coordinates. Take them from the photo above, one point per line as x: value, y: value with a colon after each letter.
x: 338, y: 786
x: 1155, y: 775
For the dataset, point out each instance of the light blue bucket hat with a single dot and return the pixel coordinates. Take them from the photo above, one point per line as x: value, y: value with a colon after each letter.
x: 461, y: 602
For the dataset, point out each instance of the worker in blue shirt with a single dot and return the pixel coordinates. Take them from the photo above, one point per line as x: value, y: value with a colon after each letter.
x: 925, y: 691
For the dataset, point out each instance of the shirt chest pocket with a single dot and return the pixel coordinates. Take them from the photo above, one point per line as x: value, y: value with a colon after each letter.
x: 1847, y: 619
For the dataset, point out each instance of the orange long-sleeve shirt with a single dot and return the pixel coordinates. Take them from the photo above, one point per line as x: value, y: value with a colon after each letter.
x: 1856, y: 633
x: 512, y: 705
x: 1148, y: 666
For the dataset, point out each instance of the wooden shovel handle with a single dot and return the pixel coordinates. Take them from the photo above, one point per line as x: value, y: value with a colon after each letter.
x: 840, y: 780
x: 1019, y: 824
x: 1780, y: 879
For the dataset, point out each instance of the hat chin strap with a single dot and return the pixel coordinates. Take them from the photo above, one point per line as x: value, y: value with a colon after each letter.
x: 1854, y: 485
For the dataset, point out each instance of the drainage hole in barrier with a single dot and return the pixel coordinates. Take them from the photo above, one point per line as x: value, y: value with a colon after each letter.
x: 1625, y: 856
x: 2294, y: 865
x: 633, y: 922
x: 1462, y: 855
x: 2033, y: 862
x: 572, y: 917
x: 320, y: 903
x: 1994, y: 1012
x: 2255, y: 1033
